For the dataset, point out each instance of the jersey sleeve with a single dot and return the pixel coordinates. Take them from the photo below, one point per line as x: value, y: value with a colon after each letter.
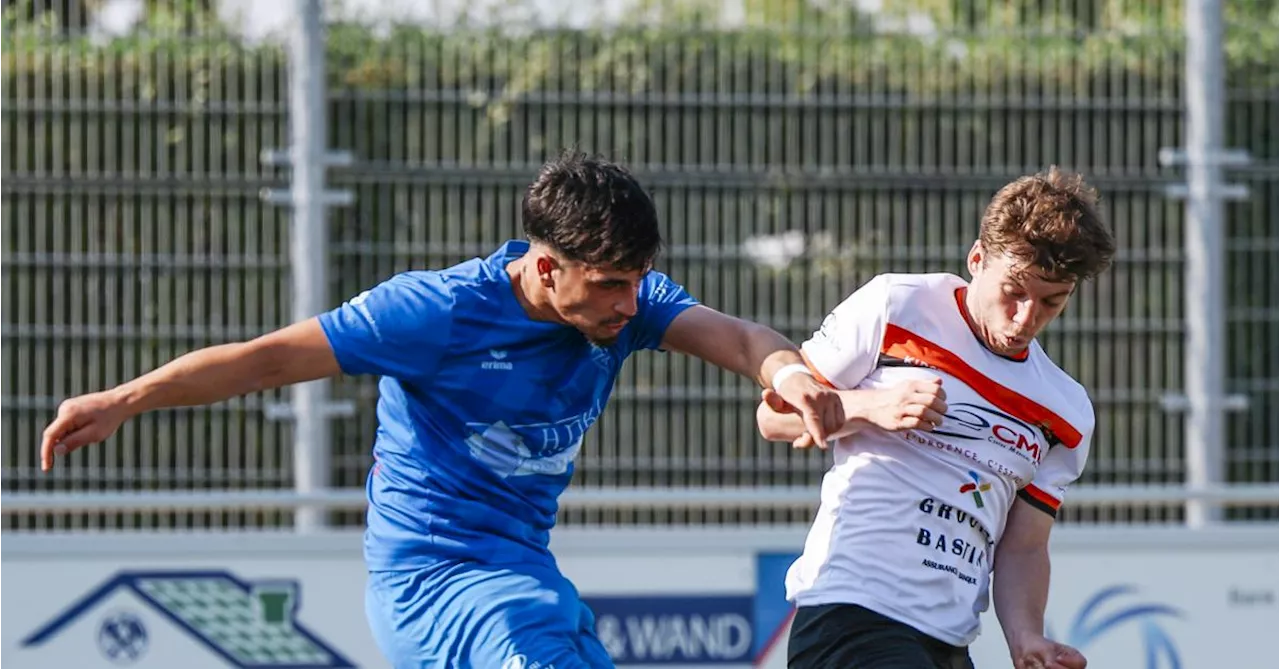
x: 399, y: 328
x: 1060, y: 468
x: 847, y: 345
x: 659, y: 302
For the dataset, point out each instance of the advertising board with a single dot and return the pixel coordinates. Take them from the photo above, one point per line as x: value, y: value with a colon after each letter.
x: 1134, y: 599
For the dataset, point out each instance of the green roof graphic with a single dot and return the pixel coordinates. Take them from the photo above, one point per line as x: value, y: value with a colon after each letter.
x: 248, y: 624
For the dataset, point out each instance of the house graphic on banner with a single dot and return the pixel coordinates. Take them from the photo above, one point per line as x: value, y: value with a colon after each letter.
x: 187, y: 619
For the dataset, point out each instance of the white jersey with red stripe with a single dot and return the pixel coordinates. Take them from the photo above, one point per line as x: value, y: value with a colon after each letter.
x: 909, y: 520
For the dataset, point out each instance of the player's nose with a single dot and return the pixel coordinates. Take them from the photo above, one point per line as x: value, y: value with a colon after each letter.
x: 627, y: 307
x: 1026, y: 315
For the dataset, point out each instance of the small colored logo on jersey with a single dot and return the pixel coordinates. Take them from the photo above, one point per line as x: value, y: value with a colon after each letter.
x: 976, y: 488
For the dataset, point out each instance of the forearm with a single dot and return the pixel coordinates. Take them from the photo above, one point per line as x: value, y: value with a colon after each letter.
x: 200, y: 377
x: 776, y: 426
x: 294, y: 354
x: 762, y: 352
x: 1020, y: 586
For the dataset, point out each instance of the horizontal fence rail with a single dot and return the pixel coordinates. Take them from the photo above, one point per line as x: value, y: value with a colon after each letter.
x: 22, y: 503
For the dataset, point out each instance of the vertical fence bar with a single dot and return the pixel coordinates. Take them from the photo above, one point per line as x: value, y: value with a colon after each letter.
x: 309, y: 245
x: 1205, y: 296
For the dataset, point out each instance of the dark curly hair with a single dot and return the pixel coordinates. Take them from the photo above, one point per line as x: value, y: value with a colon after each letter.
x: 592, y: 211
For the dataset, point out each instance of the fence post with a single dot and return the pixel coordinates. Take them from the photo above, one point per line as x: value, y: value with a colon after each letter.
x: 310, y: 408
x: 1205, y: 399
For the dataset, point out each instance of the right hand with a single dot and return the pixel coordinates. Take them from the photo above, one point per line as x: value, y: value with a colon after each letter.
x: 911, y: 405
x: 1042, y: 653
x: 775, y: 402
x: 81, y: 421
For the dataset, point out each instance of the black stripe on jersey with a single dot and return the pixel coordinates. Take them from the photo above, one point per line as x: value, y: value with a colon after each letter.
x: 1026, y: 497
x: 890, y: 361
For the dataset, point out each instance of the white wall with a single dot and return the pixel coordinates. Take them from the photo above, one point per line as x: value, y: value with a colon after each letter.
x: 1178, y: 598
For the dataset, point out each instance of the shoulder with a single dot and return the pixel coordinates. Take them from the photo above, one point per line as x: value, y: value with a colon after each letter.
x: 658, y: 289
x: 462, y: 284
x: 471, y: 272
x: 655, y: 285
x: 429, y: 285
x: 897, y: 292
x: 906, y: 286
x: 1072, y: 393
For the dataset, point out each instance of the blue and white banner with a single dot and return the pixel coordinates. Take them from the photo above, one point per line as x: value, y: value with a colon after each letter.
x: 676, y: 629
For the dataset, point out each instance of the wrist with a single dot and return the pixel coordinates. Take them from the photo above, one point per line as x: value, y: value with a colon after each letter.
x: 855, y: 404
x: 862, y: 406
x: 1021, y: 638
x: 787, y: 371
x: 129, y: 398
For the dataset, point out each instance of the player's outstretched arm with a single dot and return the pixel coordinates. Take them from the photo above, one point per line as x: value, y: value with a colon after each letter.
x: 758, y: 353
x: 1020, y: 586
x: 299, y: 352
x: 910, y: 405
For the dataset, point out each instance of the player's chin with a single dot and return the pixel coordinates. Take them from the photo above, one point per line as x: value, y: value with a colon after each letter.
x: 602, y: 340
x: 605, y: 334
x: 601, y: 335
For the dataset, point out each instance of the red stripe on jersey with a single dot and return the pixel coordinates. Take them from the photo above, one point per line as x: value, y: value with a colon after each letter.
x: 904, y: 344
x: 816, y: 374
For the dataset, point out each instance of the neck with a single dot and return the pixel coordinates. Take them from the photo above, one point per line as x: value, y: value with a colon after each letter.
x: 971, y: 313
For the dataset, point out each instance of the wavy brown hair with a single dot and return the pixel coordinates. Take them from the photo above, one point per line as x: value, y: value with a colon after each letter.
x: 1050, y: 221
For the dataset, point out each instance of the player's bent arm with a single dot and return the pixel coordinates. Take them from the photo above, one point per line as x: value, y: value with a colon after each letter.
x: 293, y: 354
x: 749, y: 349
x: 758, y: 353
x: 1020, y: 579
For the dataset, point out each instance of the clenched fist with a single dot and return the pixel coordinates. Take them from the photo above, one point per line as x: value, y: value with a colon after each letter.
x: 910, y: 405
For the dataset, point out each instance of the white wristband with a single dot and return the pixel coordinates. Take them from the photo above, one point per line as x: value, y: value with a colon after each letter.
x: 786, y: 371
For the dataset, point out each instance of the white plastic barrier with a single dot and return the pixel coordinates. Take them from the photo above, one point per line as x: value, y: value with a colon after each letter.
x: 1132, y: 598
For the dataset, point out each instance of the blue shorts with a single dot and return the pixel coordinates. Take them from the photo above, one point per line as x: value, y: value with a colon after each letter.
x: 484, y: 616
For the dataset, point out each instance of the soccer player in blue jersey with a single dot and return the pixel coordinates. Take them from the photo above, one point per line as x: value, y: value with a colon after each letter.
x: 491, y: 372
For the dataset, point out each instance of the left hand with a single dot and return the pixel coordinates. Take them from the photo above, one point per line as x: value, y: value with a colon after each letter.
x: 1041, y: 653
x: 819, y: 405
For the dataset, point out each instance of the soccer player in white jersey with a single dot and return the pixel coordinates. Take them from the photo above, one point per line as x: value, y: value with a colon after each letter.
x: 962, y: 438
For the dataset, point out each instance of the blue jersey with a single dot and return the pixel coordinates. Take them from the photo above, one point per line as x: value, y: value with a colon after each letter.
x: 481, y: 409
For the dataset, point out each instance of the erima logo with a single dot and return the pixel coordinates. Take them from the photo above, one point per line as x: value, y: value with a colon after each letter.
x: 499, y: 360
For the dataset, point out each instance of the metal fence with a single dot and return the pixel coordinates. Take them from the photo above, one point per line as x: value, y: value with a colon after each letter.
x: 134, y: 228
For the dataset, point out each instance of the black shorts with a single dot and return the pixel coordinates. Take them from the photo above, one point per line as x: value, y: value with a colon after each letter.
x: 846, y: 636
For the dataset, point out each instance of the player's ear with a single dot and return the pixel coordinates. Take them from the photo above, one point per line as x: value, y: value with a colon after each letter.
x: 546, y: 265
x: 974, y: 260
